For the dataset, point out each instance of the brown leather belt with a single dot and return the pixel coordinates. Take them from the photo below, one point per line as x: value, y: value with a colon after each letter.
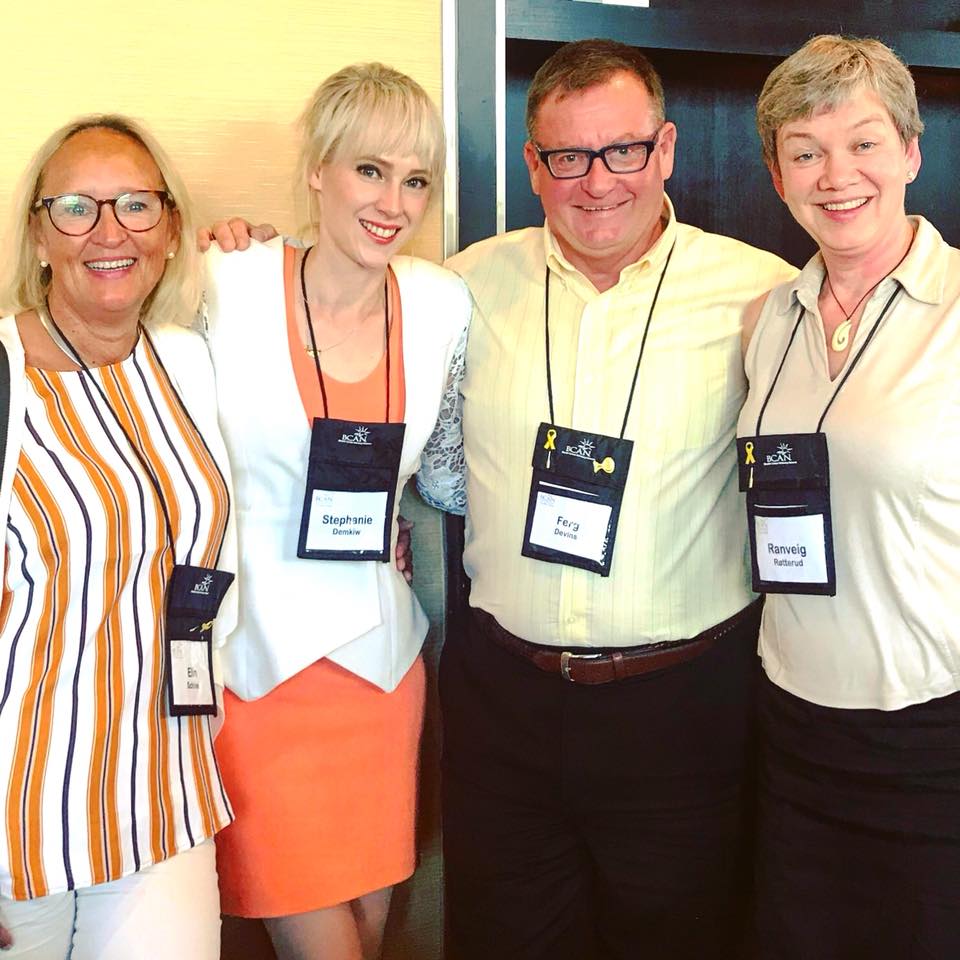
x: 611, y: 665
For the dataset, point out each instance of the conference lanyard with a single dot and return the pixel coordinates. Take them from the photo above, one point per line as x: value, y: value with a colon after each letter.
x: 352, y: 471
x: 193, y: 593
x: 786, y: 477
x: 579, y: 476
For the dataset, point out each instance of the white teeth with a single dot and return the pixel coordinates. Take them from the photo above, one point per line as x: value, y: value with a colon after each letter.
x: 385, y: 233
x: 598, y: 209
x: 845, y: 205
x: 111, y: 264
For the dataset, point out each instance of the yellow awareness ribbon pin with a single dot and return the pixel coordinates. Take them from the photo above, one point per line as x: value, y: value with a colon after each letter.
x: 549, y: 445
x: 748, y: 448
x: 607, y: 465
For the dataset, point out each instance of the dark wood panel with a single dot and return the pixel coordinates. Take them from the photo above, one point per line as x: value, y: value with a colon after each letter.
x: 476, y: 60
x: 927, y: 35
x: 936, y: 14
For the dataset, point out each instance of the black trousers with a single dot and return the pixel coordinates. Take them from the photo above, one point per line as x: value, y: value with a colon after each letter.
x: 859, y: 843
x: 607, y: 821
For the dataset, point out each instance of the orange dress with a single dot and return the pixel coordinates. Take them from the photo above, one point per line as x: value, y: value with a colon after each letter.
x: 321, y: 772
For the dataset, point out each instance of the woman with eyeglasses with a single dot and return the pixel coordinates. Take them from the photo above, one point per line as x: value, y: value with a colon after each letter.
x: 849, y: 458
x: 337, y: 376
x: 115, y: 491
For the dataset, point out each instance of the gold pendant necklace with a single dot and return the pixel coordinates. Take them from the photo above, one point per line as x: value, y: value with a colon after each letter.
x: 316, y: 351
x: 313, y: 353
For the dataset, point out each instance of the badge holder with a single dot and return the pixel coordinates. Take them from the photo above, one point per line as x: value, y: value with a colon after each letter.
x: 351, y: 487
x: 575, y: 497
x: 578, y: 477
x: 194, y: 595
x: 786, y: 478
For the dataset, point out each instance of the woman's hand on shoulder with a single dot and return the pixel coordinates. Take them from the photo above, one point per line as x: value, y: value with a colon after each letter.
x: 751, y: 314
x: 234, y: 234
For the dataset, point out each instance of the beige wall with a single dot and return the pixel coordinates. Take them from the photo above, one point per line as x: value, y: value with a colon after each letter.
x: 220, y: 83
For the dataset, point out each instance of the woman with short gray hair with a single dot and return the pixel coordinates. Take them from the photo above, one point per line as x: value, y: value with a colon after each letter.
x: 848, y: 457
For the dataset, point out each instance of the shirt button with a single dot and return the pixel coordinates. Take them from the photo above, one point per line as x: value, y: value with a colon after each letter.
x: 571, y: 619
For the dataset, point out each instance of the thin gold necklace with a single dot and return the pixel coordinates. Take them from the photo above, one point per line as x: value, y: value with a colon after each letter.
x: 316, y: 351
x: 333, y: 346
x: 313, y: 352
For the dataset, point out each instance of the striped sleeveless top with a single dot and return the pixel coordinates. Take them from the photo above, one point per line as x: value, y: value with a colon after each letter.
x: 97, y: 780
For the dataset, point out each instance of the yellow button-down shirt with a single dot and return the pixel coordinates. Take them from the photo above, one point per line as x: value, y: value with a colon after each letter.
x: 678, y: 563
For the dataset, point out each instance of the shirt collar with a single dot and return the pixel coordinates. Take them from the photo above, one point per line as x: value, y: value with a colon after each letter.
x: 652, y: 258
x: 923, y: 273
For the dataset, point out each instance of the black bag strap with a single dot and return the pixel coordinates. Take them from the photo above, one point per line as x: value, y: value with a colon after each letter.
x: 4, y: 402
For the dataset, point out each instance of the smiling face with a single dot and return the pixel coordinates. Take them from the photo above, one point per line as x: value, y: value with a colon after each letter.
x: 109, y: 272
x: 843, y: 174
x: 602, y: 221
x: 370, y: 206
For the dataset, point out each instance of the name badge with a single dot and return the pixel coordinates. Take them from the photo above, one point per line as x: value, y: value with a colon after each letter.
x: 351, y: 487
x: 575, y: 497
x: 786, y: 478
x: 194, y: 595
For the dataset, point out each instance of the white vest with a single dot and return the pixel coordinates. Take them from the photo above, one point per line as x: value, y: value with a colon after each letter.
x: 361, y: 615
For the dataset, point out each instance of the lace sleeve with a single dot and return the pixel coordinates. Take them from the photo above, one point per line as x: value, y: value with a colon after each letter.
x: 201, y: 322
x: 441, y: 480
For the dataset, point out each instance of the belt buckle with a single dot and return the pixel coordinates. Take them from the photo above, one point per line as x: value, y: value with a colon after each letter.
x: 566, y: 656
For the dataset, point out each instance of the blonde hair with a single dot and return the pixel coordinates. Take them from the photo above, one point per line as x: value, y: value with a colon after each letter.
x: 368, y: 108
x: 176, y: 296
x: 826, y: 72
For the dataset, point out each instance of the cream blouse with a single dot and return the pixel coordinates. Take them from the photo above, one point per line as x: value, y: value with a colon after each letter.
x: 891, y: 635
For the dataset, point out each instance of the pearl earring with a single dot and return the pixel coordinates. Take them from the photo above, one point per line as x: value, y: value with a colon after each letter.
x: 44, y: 264
x: 170, y: 254
x: 910, y: 176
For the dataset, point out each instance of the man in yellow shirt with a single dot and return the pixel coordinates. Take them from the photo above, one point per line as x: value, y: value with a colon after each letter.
x: 597, y: 710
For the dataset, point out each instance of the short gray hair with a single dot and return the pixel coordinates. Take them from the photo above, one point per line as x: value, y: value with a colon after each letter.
x: 584, y: 64
x: 826, y: 72
x: 369, y: 108
x: 176, y: 296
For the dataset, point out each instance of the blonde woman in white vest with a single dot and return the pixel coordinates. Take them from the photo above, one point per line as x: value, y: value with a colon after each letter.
x: 315, y: 350
x: 849, y: 458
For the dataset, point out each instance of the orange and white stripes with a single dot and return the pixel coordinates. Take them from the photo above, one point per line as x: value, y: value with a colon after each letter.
x: 97, y: 780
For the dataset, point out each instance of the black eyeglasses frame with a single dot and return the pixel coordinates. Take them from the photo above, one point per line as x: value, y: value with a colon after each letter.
x: 592, y: 155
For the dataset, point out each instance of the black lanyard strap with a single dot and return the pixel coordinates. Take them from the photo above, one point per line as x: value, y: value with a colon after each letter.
x: 801, y: 314
x: 197, y: 430
x: 643, y: 341
x: 776, y: 377
x: 313, y: 340
x: 60, y: 338
x: 866, y: 343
